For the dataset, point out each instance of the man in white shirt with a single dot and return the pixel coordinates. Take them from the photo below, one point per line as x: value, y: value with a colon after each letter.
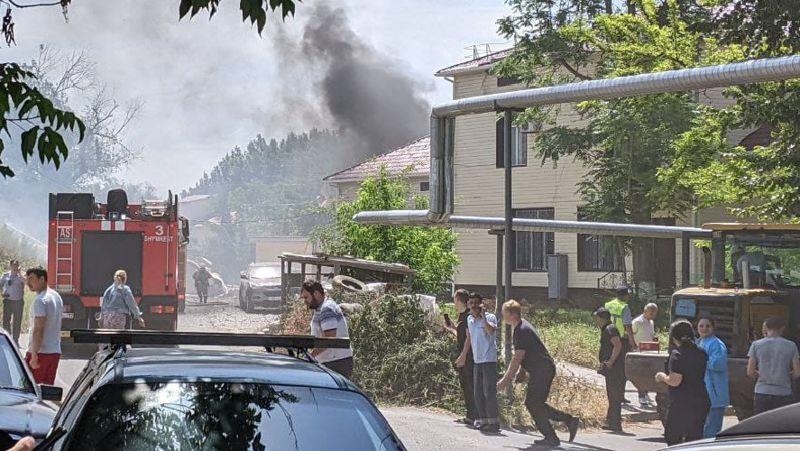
x: 328, y: 321
x: 644, y: 330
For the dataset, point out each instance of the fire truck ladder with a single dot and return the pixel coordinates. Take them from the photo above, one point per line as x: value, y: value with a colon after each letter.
x: 65, y: 222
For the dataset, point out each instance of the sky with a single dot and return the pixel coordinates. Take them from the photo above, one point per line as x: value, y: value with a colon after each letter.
x: 207, y: 87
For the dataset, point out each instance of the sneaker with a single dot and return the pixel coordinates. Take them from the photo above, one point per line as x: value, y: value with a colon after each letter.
x: 552, y: 442
x: 572, y: 426
x: 613, y: 428
x: 490, y: 428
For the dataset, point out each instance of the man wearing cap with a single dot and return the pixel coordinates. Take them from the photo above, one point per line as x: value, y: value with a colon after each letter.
x: 612, y: 367
x: 12, y: 286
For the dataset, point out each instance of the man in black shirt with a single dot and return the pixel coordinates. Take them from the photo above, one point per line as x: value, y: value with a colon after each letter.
x: 532, y: 356
x: 465, y: 376
x: 612, y: 366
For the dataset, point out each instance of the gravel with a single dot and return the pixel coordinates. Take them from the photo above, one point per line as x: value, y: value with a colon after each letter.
x: 222, y: 314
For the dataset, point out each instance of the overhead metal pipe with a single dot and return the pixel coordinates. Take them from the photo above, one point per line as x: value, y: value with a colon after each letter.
x: 443, y: 115
x: 420, y: 218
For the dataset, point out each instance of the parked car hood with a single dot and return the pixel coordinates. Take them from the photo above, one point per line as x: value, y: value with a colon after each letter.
x: 268, y: 282
x: 24, y: 413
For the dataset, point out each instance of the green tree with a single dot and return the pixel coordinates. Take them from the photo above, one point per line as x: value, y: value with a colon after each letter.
x: 429, y: 251
x: 761, y: 182
x: 626, y: 141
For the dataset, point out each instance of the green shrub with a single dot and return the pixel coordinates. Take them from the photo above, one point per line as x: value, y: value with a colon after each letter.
x: 399, y: 359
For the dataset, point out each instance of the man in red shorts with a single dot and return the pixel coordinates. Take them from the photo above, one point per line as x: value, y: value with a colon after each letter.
x: 44, y: 350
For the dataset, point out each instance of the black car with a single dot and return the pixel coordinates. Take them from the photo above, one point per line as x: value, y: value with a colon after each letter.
x: 209, y: 399
x: 261, y: 287
x: 23, y: 410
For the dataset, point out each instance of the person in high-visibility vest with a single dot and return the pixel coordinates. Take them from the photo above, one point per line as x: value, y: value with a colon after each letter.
x: 621, y: 316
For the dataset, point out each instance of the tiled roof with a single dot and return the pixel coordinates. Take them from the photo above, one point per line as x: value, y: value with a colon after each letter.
x: 416, y: 155
x: 485, y: 61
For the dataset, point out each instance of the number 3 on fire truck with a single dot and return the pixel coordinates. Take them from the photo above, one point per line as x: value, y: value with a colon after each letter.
x: 159, y: 230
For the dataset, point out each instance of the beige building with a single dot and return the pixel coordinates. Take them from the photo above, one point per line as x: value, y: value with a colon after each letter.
x: 539, y: 191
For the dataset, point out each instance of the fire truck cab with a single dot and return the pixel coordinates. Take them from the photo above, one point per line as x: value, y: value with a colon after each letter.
x: 88, y: 241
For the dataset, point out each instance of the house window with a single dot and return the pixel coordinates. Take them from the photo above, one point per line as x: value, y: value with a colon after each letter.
x: 598, y: 253
x: 519, y: 145
x: 531, y: 248
x: 424, y: 186
x: 507, y: 81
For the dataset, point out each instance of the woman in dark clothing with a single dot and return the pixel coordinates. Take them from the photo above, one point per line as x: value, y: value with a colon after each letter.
x: 689, y: 402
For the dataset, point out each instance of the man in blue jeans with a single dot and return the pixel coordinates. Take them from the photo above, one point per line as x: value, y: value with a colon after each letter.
x: 482, y: 342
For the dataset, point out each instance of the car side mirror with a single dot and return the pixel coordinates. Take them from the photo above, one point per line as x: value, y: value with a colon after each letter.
x: 51, y: 392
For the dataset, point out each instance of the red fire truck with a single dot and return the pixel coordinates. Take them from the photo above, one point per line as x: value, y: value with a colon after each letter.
x: 89, y: 241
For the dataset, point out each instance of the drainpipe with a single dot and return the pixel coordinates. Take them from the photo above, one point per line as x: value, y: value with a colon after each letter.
x: 443, y: 125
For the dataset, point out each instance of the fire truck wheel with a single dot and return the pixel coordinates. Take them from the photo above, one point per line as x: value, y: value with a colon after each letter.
x: 347, y: 283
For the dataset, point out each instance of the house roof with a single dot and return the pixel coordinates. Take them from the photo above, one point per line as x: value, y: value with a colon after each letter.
x: 415, y: 155
x: 762, y: 136
x: 475, y: 65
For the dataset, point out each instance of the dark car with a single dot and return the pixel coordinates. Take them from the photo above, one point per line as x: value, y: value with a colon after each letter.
x: 261, y: 287
x: 777, y: 430
x: 209, y: 399
x: 23, y: 410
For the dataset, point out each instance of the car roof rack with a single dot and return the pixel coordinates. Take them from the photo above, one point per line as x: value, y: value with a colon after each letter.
x: 122, y: 338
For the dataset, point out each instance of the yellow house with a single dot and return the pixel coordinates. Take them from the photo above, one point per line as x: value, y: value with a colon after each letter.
x: 542, y: 192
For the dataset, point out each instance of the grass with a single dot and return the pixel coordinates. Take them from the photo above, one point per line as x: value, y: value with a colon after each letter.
x: 570, y: 335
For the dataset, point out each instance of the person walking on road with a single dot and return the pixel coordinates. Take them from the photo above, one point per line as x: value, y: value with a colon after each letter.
x: 716, y: 378
x: 689, y: 402
x: 643, y: 329
x: 531, y: 354
x: 328, y: 321
x: 201, y: 278
x: 773, y: 362
x: 12, y: 286
x: 612, y: 367
x: 44, y: 349
x: 465, y: 373
x: 118, y: 304
x: 482, y: 342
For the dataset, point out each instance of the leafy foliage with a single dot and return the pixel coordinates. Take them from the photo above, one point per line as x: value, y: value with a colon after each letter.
x: 253, y: 10
x: 37, y: 117
x: 759, y: 182
x: 429, y: 251
x: 626, y: 141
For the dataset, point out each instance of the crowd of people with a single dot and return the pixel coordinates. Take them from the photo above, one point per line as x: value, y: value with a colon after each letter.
x: 696, y: 372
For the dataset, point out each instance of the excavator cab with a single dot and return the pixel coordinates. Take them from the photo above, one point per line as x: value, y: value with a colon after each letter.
x: 754, y: 274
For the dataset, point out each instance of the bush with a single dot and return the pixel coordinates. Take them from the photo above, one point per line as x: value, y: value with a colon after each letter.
x: 570, y: 335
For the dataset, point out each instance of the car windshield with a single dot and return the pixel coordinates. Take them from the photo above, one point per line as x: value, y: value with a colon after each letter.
x: 265, y: 272
x: 224, y: 415
x: 12, y: 374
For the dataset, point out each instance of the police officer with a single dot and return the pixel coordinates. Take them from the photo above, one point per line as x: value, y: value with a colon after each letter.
x: 612, y: 367
x: 622, y: 318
